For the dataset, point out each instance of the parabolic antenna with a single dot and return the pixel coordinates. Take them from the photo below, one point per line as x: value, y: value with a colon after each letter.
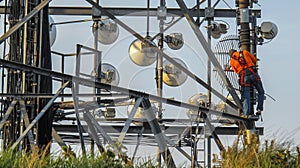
x: 269, y: 30
x: 108, y: 31
x: 109, y: 74
x: 52, y: 31
x: 199, y: 99
x: 142, y: 54
x: 223, y: 107
x: 140, y: 115
x: 172, y: 75
x: 174, y: 40
x: 221, y: 51
x: 218, y: 29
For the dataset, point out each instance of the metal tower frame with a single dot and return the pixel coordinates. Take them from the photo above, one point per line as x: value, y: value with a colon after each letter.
x: 17, y: 128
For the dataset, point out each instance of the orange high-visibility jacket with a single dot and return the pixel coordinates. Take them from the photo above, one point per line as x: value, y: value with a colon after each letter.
x: 249, y: 58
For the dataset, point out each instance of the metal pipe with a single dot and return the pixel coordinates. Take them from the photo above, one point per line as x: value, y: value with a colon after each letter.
x: 25, y: 33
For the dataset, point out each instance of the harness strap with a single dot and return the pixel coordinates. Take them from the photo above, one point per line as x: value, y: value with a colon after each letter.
x: 243, y: 63
x: 242, y: 76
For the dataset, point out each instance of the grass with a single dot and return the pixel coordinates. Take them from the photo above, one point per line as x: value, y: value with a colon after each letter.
x: 268, y: 154
x: 68, y: 159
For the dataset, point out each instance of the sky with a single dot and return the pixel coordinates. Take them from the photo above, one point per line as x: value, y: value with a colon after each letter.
x: 278, y: 67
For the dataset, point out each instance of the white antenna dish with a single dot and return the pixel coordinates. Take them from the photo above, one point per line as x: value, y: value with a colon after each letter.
x: 199, y: 99
x: 172, y: 75
x: 109, y: 74
x: 140, y: 115
x: 174, y: 40
x: 218, y: 29
x: 108, y: 31
x: 142, y: 54
x: 223, y: 107
x: 269, y: 30
x: 52, y: 31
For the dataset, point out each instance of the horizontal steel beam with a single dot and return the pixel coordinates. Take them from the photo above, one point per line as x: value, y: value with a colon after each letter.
x: 46, y: 95
x: 169, y: 129
x: 130, y: 92
x: 87, y: 11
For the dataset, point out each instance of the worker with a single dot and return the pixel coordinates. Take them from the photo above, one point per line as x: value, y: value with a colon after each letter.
x: 244, y: 64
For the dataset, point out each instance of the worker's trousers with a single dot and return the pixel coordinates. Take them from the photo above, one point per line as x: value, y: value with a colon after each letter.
x: 246, y: 99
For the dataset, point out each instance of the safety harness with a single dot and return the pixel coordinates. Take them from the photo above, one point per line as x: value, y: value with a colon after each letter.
x: 242, y: 74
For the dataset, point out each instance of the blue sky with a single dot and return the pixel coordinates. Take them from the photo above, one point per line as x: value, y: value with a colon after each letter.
x: 279, y: 60
x: 280, y: 68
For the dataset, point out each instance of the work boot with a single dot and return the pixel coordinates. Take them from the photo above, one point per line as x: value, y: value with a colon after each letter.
x: 258, y: 112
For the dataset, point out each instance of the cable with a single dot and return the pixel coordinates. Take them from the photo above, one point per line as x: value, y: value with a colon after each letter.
x: 270, y: 97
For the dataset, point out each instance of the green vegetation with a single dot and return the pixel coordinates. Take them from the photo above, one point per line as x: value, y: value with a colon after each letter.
x: 68, y: 159
x: 240, y: 155
x: 260, y: 155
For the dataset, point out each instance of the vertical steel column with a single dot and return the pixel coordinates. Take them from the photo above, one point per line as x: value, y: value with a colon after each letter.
x: 97, y: 67
x: 159, y: 69
x: 75, y: 91
x: 244, y: 18
x: 39, y: 57
x: 25, y: 33
x: 244, y: 24
x: 208, y: 60
x: 253, y: 50
x: 207, y: 148
x: 62, y: 71
x: 159, y: 63
x: 97, y: 58
x: 208, y: 152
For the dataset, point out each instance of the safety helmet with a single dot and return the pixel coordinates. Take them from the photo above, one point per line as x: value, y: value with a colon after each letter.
x: 231, y: 51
